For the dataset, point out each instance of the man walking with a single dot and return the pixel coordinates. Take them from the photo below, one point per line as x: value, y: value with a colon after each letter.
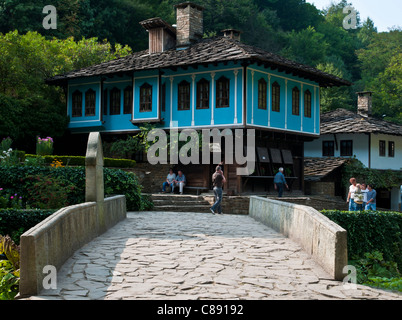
x: 280, y: 182
x: 218, y: 180
x: 371, y: 198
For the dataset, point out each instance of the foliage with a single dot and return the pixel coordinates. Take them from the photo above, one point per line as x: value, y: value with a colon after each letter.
x: 9, y: 269
x: 76, y: 161
x: 14, y: 222
x: 47, y: 192
x: 8, y: 156
x: 29, y: 107
x: 384, y: 179
x: 373, y: 270
x: 370, y: 231
x: 116, y: 182
x: 44, y: 146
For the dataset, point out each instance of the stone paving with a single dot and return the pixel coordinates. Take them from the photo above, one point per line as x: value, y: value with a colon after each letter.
x: 167, y: 255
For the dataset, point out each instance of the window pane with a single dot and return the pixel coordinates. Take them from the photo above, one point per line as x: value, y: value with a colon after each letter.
x: 391, y: 149
x: 77, y: 104
x: 382, y: 148
x: 328, y: 148
x: 128, y: 100
x: 276, y: 91
x: 115, y: 101
x: 307, y: 104
x: 262, y: 94
x: 90, y: 101
x: 203, y: 94
x: 146, y: 98
x: 222, y: 92
x: 183, y: 96
x: 295, y: 101
x: 346, y: 148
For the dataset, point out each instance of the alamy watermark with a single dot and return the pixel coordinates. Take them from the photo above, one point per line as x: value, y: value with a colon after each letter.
x: 50, y: 21
x: 50, y: 280
x: 350, y: 21
x: 350, y: 281
x: 209, y: 141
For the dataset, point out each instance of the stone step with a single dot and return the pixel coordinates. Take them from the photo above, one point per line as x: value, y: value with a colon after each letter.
x: 174, y: 208
x: 178, y: 202
x: 178, y: 197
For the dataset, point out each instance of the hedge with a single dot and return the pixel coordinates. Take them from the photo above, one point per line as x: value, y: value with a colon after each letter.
x: 117, y: 181
x: 14, y: 222
x: 370, y: 231
x: 80, y: 161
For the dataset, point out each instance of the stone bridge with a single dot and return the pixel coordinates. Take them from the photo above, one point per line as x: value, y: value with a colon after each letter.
x: 168, y: 255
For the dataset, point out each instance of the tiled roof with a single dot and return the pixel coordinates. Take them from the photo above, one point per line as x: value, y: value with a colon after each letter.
x: 317, y: 168
x: 213, y: 50
x: 345, y: 121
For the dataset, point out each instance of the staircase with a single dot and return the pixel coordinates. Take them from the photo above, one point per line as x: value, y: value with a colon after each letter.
x: 179, y: 203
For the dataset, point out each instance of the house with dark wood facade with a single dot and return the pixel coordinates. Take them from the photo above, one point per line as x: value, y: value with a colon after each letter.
x: 184, y: 81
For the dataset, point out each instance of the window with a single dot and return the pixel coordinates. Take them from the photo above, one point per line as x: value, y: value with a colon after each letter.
x: 307, y: 104
x: 104, y: 102
x: 391, y: 149
x: 90, y: 102
x: 346, y: 148
x: 163, y: 101
x: 262, y: 94
x: 222, y: 92
x: 295, y: 101
x: 276, y: 93
x: 183, y: 102
x: 203, y: 94
x: 128, y: 100
x: 382, y: 148
x: 328, y: 148
x: 115, y: 97
x: 146, y: 98
x: 77, y: 104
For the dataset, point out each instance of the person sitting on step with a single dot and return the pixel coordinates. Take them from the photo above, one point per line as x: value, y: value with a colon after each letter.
x: 169, y: 181
x: 180, y: 181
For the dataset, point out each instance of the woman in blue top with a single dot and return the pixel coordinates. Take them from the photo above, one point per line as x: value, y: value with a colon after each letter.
x: 371, y: 198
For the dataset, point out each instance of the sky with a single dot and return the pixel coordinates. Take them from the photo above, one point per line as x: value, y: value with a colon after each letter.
x: 385, y: 13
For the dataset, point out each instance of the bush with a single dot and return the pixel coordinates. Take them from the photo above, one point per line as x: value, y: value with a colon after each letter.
x: 80, y: 161
x: 14, y: 222
x: 117, y: 181
x: 371, y: 231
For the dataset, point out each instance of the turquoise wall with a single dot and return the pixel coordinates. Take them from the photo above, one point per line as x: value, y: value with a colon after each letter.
x: 200, y: 118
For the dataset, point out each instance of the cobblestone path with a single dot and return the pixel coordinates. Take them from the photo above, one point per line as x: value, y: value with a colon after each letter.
x: 166, y: 255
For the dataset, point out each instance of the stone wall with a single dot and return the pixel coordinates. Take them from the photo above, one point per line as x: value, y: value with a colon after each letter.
x: 324, y: 240
x: 232, y: 204
x: 55, y: 239
x: 151, y: 177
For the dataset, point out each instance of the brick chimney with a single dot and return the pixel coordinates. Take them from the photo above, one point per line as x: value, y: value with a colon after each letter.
x: 189, y: 23
x: 232, y: 34
x: 162, y: 36
x: 364, y: 103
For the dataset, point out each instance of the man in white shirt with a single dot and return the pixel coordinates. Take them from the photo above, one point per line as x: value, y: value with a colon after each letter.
x: 351, y: 194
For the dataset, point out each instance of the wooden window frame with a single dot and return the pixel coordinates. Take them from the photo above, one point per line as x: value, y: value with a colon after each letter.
x: 128, y: 100
x: 344, y: 152
x: 381, y: 148
x: 163, y: 97
x: 146, y: 98
x: 276, y: 97
x: 105, y: 101
x: 183, y: 96
x: 307, y: 103
x: 328, y: 148
x: 90, y: 103
x: 203, y: 94
x: 222, y: 92
x: 262, y: 94
x: 115, y: 101
x: 296, y: 101
x: 391, y: 149
x: 76, y: 104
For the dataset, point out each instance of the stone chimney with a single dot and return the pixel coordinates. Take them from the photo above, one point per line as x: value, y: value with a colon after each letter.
x: 232, y: 34
x: 364, y: 103
x: 189, y: 24
x: 162, y: 36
